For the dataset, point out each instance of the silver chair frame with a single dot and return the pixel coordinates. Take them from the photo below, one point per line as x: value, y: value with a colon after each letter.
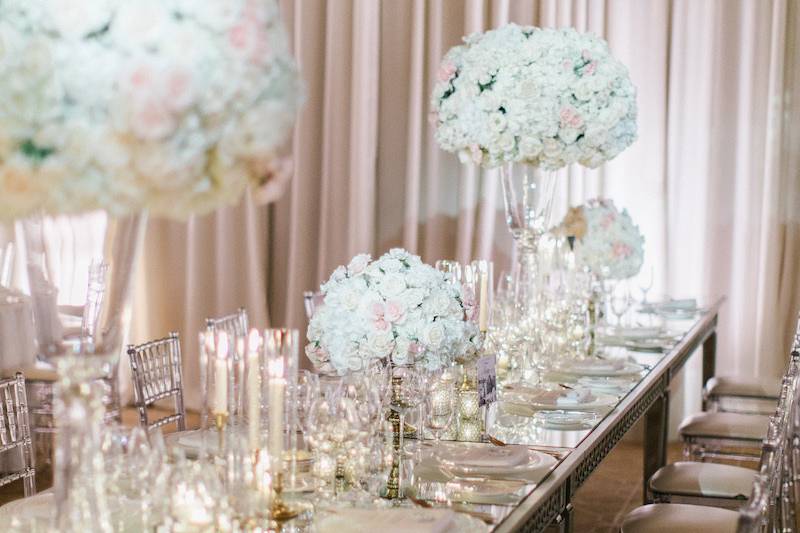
x: 234, y: 324
x: 157, y: 375
x: 15, y: 431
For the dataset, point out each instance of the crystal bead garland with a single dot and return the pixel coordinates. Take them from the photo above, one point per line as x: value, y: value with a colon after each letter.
x: 79, y: 271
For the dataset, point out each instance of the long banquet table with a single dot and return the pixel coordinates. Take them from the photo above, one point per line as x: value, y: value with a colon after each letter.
x: 550, y: 501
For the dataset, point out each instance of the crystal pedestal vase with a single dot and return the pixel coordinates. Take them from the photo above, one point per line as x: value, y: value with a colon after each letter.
x: 79, y: 270
x: 528, y: 196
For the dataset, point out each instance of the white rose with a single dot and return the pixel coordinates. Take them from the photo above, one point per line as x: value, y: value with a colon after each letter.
x: 75, y: 19
x: 433, y: 336
x: 140, y: 23
x: 392, y: 285
x: 358, y: 264
x: 381, y: 345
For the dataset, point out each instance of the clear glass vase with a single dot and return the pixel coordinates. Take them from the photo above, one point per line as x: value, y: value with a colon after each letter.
x: 528, y: 196
x: 80, y: 269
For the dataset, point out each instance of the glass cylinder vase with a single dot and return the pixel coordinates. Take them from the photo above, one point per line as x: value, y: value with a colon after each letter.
x: 79, y: 270
x: 528, y: 196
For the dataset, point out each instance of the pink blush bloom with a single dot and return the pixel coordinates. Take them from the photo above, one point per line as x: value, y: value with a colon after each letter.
x: 621, y: 250
x: 590, y: 68
x: 377, y: 311
x: 381, y: 324
x: 608, y: 220
x: 446, y: 71
x: 394, y: 311
x: 150, y: 119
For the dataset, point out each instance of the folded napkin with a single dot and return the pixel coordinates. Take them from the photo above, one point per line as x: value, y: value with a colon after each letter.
x: 488, y: 456
x: 575, y: 396
x: 418, y: 520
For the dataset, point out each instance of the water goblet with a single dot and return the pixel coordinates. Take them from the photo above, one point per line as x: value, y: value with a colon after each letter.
x: 620, y: 300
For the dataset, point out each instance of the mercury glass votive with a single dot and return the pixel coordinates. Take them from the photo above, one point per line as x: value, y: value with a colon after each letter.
x: 468, y: 404
x: 469, y: 430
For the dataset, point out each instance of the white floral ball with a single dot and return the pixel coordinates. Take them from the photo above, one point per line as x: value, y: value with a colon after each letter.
x: 169, y: 105
x: 613, y: 246
x: 546, y: 97
x: 393, y: 307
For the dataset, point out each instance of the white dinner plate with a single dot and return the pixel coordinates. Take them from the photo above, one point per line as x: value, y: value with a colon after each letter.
x: 450, y: 460
x: 520, y: 401
x: 397, y: 520
x: 41, y: 509
x: 599, y: 367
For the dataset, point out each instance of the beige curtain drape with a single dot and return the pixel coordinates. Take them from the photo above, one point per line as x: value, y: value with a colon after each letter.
x: 712, y: 180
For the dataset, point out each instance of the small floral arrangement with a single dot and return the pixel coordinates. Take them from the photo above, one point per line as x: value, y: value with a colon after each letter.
x: 607, y: 240
x: 389, y: 308
x: 546, y: 97
x: 169, y: 105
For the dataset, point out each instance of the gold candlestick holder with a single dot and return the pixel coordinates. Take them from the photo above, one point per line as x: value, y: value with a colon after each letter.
x: 280, y: 512
x: 220, y: 421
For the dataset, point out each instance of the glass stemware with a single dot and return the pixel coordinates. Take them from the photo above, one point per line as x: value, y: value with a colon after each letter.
x: 441, y: 400
x: 620, y: 300
x: 646, y: 279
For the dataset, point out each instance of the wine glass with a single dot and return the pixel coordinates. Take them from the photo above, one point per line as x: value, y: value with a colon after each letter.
x: 451, y: 267
x: 441, y: 402
x: 406, y: 393
x: 620, y: 300
x: 646, y: 279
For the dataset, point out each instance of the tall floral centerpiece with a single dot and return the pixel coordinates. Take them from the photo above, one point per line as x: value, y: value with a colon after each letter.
x: 110, y: 109
x: 606, y: 240
x: 531, y: 101
x: 393, y: 308
x: 607, y: 243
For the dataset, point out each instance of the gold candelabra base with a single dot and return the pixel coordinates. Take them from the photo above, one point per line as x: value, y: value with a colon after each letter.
x: 220, y: 420
x: 279, y: 511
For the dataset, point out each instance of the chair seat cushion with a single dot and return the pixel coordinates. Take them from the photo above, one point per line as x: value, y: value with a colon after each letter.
x: 752, y: 388
x: 725, y: 426
x: 709, y: 480
x: 680, y: 518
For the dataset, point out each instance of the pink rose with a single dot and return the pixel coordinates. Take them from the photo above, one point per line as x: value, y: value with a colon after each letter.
x: 590, y: 68
x: 621, y: 250
x: 570, y: 117
x: 377, y: 311
x: 608, y: 220
x: 394, y: 311
x: 381, y: 324
x: 150, y: 119
x: 248, y: 37
x: 446, y: 71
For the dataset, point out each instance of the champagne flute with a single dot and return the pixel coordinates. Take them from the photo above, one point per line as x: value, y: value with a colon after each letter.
x: 441, y: 401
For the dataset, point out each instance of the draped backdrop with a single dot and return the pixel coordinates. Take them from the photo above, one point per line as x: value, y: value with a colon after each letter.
x: 713, y: 180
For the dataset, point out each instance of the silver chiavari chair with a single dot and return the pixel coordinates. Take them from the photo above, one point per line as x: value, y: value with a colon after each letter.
x: 234, y: 324
x: 15, y: 432
x: 157, y: 376
x: 770, y: 504
x: 312, y: 301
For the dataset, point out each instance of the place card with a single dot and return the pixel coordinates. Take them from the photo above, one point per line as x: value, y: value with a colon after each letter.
x: 487, y: 380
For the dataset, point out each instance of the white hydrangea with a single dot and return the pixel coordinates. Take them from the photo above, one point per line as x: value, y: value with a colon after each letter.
x: 389, y: 308
x: 169, y: 105
x: 612, y: 246
x: 546, y: 97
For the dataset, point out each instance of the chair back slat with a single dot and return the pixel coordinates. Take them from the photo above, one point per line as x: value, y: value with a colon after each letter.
x: 15, y: 433
x: 156, y: 370
x: 771, y: 503
x: 235, y: 324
